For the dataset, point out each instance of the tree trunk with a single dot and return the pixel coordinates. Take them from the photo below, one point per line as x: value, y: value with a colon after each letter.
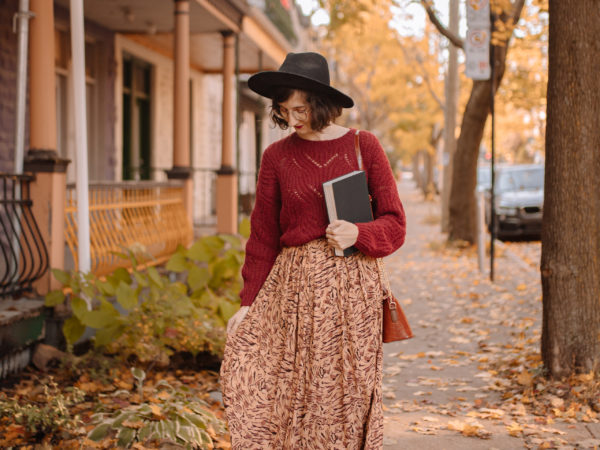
x: 463, y: 214
x: 462, y: 207
x: 428, y: 188
x: 570, y: 266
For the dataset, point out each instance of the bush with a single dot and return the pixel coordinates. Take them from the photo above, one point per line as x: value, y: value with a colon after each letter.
x: 143, y: 313
x: 47, y: 414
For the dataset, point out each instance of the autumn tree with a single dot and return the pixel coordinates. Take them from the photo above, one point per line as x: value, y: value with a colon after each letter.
x: 570, y: 266
x: 394, y: 80
x: 462, y: 208
x: 520, y: 102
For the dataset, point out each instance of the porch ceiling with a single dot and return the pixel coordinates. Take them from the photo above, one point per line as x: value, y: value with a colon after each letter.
x: 156, y: 16
x: 151, y: 22
x: 206, y: 52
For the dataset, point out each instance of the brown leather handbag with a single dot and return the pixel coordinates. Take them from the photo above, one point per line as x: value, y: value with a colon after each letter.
x: 395, y: 325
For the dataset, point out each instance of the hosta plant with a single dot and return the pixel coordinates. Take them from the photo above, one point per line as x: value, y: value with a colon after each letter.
x: 174, y: 415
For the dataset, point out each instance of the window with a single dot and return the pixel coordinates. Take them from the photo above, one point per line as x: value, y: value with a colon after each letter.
x: 64, y: 105
x: 137, y: 156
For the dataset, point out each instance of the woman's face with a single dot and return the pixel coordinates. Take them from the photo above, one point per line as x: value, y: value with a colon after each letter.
x: 296, y: 112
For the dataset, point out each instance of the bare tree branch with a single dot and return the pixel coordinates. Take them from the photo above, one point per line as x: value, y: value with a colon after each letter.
x: 518, y: 7
x: 456, y: 40
x: 430, y: 87
x: 424, y: 74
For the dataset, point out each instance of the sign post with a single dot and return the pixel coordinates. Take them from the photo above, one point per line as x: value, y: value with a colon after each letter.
x: 479, y: 66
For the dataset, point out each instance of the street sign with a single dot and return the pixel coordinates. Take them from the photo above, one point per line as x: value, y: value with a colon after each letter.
x: 477, y: 53
x: 478, y: 13
x: 477, y: 45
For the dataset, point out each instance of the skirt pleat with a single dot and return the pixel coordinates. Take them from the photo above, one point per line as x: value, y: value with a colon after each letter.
x: 304, y: 368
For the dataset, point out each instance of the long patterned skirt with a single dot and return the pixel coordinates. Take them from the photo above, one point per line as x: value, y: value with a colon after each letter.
x: 304, y: 368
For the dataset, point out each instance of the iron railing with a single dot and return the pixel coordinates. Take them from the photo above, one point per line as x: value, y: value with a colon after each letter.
x: 24, y: 257
x: 147, y: 218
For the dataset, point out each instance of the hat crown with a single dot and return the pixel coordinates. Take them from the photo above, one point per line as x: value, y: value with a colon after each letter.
x: 309, y: 64
x: 307, y: 71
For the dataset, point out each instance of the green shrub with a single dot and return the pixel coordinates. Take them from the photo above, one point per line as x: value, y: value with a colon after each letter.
x: 48, y: 413
x: 160, y: 316
x: 179, y: 417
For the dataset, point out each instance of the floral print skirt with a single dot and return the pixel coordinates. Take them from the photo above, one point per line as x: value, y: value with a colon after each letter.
x: 304, y: 368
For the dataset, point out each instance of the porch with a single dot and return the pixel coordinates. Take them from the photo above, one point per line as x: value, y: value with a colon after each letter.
x: 172, y: 147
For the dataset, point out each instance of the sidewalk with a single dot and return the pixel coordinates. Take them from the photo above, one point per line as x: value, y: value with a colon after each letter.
x: 448, y: 388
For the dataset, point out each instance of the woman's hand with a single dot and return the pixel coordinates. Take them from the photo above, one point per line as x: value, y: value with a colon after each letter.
x: 236, y: 319
x: 341, y: 234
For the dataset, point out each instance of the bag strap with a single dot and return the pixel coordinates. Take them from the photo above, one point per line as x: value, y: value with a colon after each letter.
x: 357, y: 149
x: 383, y: 278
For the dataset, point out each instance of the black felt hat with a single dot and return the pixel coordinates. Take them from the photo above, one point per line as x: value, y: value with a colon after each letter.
x: 304, y: 71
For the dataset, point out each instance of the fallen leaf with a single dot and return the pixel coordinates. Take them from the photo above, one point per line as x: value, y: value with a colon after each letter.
x: 514, y: 429
x: 525, y: 378
x: 137, y: 424
x: 156, y: 411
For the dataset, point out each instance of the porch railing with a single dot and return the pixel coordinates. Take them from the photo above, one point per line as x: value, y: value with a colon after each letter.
x: 23, y: 255
x: 145, y: 217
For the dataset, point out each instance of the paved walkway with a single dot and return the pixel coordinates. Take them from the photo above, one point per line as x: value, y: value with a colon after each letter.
x: 443, y: 389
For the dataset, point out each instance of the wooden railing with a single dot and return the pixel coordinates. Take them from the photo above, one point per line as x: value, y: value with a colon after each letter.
x: 145, y: 217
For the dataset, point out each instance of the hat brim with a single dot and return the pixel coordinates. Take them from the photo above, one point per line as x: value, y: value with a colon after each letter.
x: 263, y: 83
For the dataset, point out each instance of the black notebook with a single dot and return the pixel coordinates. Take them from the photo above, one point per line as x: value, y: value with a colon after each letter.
x: 347, y: 198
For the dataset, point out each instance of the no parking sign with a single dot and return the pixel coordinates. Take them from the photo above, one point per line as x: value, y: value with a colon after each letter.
x: 477, y: 45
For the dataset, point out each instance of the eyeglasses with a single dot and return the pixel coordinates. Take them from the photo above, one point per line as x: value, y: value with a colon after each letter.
x: 298, y: 113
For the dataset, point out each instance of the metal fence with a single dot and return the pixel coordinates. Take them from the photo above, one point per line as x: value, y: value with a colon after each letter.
x: 23, y: 256
x: 146, y: 218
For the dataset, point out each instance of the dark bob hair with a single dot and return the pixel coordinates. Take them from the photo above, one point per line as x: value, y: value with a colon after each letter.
x: 323, y: 110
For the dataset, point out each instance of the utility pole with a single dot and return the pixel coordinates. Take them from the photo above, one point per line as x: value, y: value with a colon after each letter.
x: 451, y: 93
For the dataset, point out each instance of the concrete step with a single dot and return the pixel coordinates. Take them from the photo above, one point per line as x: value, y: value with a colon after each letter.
x: 21, y: 326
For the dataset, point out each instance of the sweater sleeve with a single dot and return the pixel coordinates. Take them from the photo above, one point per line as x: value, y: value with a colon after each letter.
x: 386, y: 233
x: 263, y: 246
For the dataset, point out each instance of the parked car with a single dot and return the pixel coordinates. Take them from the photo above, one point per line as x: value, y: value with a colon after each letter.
x: 484, y: 178
x: 519, y: 200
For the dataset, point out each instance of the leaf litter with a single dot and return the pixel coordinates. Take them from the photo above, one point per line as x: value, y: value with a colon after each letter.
x: 484, y: 339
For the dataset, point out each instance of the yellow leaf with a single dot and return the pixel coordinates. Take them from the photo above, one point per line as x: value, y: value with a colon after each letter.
x: 164, y: 395
x: 124, y: 385
x: 525, y: 378
x: 470, y: 430
x: 156, y: 411
x: 586, y: 377
x: 89, y: 387
x: 137, y: 424
x: 455, y: 425
x: 514, y: 429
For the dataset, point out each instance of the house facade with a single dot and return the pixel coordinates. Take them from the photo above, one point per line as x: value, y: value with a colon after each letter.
x: 171, y: 125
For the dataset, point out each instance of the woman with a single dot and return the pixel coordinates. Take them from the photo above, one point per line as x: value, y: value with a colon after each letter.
x: 303, y: 360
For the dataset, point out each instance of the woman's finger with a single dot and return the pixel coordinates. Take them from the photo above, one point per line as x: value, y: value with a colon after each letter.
x: 231, y: 325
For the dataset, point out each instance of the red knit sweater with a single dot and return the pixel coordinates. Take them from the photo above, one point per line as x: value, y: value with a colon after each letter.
x: 290, y: 206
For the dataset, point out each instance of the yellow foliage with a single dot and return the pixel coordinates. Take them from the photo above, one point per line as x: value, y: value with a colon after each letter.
x: 521, y: 97
x: 394, y: 80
